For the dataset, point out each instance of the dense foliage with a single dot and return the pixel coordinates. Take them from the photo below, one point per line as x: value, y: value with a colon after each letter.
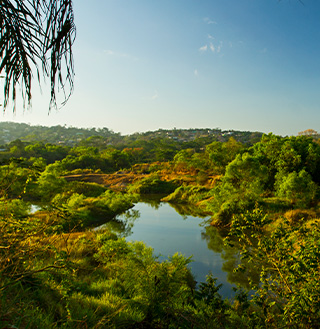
x: 56, y: 271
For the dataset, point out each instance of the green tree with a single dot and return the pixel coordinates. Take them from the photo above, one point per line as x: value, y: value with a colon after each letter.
x: 15, y: 178
x: 288, y: 154
x: 183, y: 159
x: 298, y: 188
x: 50, y: 182
x: 134, y: 155
x: 287, y: 295
x: 245, y: 177
x: 220, y: 154
x: 117, y: 159
x: 240, y: 187
x: 82, y: 150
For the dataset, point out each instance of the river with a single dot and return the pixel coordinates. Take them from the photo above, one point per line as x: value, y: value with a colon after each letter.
x: 161, y: 227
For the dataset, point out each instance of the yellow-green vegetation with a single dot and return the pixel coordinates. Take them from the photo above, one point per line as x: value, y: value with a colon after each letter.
x: 278, y: 173
x: 152, y: 185
x: 189, y: 194
x: 56, y: 272
x: 288, y: 258
x: 95, y: 280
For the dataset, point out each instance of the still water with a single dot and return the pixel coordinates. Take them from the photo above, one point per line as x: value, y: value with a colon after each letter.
x: 161, y: 227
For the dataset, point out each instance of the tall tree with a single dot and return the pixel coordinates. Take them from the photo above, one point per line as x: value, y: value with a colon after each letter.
x: 36, y: 36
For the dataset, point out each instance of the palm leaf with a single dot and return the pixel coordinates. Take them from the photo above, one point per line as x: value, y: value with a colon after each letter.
x: 36, y: 33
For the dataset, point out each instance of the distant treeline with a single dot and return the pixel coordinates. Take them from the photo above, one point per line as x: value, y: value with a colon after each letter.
x: 102, y: 137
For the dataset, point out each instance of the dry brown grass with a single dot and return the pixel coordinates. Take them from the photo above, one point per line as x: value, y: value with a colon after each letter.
x: 121, y: 179
x: 297, y: 216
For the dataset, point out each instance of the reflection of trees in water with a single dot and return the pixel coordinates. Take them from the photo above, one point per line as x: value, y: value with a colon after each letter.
x: 152, y: 200
x: 187, y: 210
x: 215, y: 241
x: 232, y: 258
x: 123, y: 224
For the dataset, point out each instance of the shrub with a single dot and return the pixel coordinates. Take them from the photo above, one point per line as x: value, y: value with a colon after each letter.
x: 88, y: 189
x: 188, y: 194
x: 298, y: 215
x: 296, y: 187
x: 152, y: 185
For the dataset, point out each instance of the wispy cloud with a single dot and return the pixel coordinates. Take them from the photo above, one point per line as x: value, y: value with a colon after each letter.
x: 151, y: 98
x: 209, y: 21
x: 218, y: 48
x: 203, y: 48
x: 110, y: 52
x: 212, y: 47
x: 196, y: 73
x: 155, y: 96
x: 263, y: 51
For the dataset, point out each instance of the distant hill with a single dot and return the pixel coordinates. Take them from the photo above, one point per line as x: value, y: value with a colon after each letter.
x: 10, y: 131
x: 71, y: 136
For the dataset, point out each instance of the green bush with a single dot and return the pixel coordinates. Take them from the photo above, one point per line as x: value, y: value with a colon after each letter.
x: 88, y: 189
x: 152, y: 185
x: 188, y: 194
x: 78, y: 211
x: 15, y: 208
x: 297, y: 216
x: 298, y: 188
x: 288, y: 258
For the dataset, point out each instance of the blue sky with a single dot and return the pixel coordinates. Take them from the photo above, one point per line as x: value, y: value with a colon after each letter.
x: 233, y: 64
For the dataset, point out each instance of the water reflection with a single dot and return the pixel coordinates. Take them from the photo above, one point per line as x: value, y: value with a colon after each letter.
x: 215, y: 239
x: 121, y: 224
x: 186, y: 210
x: 232, y: 258
x: 167, y: 232
x: 171, y: 228
x: 153, y: 200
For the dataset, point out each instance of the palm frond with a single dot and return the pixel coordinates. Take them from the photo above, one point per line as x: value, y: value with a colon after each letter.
x: 36, y: 33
